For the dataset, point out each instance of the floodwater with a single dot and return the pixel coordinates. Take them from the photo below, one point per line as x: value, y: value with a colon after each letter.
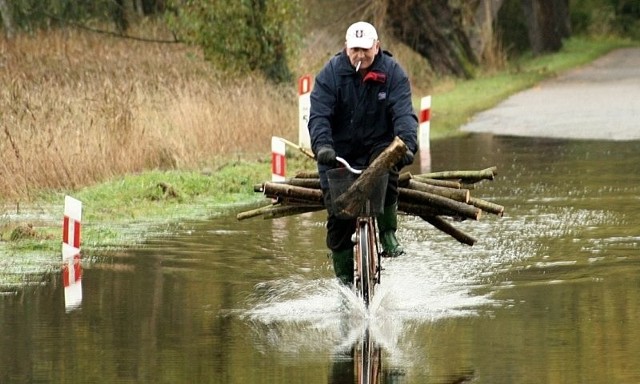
x: 550, y: 293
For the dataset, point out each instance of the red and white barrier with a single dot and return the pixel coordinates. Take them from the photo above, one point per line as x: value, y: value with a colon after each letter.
x: 278, y: 144
x: 424, y: 134
x: 71, y: 223
x: 278, y: 159
x: 304, y: 108
x: 71, y: 268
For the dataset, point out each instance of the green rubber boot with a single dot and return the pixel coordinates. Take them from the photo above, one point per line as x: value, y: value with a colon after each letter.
x: 387, y: 226
x: 343, y: 265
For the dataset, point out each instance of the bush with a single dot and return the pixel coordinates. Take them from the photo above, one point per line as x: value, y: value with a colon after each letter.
x: 242, y: 36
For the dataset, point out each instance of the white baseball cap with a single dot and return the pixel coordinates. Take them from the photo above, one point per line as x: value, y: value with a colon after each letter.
x: 361, y: 35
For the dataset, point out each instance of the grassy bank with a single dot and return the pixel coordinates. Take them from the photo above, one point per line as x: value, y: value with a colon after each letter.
x: 84, y: 113
x: 80, y: 108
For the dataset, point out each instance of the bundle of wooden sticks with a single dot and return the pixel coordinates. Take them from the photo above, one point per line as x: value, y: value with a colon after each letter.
x: 438, y: 198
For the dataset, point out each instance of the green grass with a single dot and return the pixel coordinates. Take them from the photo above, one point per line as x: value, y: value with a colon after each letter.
x: 134, y: 197
x: 138, y: 203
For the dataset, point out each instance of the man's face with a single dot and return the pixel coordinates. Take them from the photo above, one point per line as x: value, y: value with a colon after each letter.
x: 362, y: 55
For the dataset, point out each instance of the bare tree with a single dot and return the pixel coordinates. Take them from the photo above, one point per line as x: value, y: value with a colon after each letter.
x: 435, y: 29
x: 482, y: 33
x: 547, y: 24
x: 7, y: 19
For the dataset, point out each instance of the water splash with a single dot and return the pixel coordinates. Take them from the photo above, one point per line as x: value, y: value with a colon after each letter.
x: 294, y: 315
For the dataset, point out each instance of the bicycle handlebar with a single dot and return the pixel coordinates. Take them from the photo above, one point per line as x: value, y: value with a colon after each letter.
x: 349, y: 167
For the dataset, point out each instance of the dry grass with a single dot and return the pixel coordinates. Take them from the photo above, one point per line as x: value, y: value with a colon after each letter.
x: 78, y: 108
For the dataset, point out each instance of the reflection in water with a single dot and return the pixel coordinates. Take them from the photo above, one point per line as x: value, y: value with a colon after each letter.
x: 549, y: 294
x: 72, y: 281
x: 342, y: 326
x: 362, y: 364
x: 368, y: 360
x: 71, y: 269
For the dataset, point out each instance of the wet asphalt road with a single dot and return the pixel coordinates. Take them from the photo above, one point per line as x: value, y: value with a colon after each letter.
x: 599, y: 101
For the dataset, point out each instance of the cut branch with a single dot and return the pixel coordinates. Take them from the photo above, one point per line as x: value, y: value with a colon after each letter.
x: 439, y: 183
x: 423, y: 210
x: 432, y: 196
x: 307, y: 175
x: 461, y: 195
x: 350, y: 202
x: 254, y: 212
x: 462, y: 209
x: 403, y: 179
x: 284, y: 210
x: 487, y: 206
x: 466, y: 176
x: 449, y: 229
x: 304, y: 182
x: 290, y: 191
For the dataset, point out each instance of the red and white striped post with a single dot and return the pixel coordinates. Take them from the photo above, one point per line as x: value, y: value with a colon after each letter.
x: 424, y: 134
x: 304, y: 108
x: 278, y: 159
x: 72, y: 268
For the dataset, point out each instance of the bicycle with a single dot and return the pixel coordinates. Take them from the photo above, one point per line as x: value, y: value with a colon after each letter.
x: 367, y: 257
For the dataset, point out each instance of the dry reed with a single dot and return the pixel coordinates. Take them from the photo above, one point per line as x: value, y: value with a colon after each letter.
x: 78, y: 108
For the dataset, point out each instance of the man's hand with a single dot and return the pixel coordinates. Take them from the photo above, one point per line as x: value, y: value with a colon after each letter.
x: 407, y: 159
x: 326, y: 156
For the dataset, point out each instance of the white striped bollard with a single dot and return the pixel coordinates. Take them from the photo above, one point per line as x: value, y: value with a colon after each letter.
x: 424, y: 134
x: 304, y: 108
x: 278, y: 159
x: 72, y: 268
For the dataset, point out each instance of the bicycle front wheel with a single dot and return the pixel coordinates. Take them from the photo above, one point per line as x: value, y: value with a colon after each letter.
x: 364, y: 283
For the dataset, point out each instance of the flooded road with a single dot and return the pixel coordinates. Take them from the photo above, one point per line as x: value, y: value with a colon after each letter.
x: 550, y: 293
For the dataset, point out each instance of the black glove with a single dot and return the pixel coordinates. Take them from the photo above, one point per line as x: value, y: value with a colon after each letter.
x: 326, y: 156
x: 407, y: 159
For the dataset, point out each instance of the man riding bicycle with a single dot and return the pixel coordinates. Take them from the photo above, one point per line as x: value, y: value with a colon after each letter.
x: 360, y: 101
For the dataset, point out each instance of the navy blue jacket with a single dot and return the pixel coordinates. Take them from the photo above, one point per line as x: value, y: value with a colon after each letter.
x: 358, y: 117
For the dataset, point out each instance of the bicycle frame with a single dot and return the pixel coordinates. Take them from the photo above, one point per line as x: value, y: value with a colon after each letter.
x: 367, y: 258
x: 366, y: 253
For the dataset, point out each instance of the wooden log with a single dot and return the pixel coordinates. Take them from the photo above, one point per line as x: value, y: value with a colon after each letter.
x: 488, y: 173
x: 439, y: 183
x: 403, y: 179
x: 254, y: 212
x: 284, y: 190
x: 297, y: 182
x: 304, y: 151
x: 462, y: 209
x: 468, y: 186
x: 293, y: 201
x: 284, y: 210
x: 487, y: 206
x: 473, y: 180
x: 307, y: 175
x: 350, y: 202
x: 461, y: 195
x: 304, y: 182
x: 449, y: 229
x: 279, y: 209
x: 414, y: 209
